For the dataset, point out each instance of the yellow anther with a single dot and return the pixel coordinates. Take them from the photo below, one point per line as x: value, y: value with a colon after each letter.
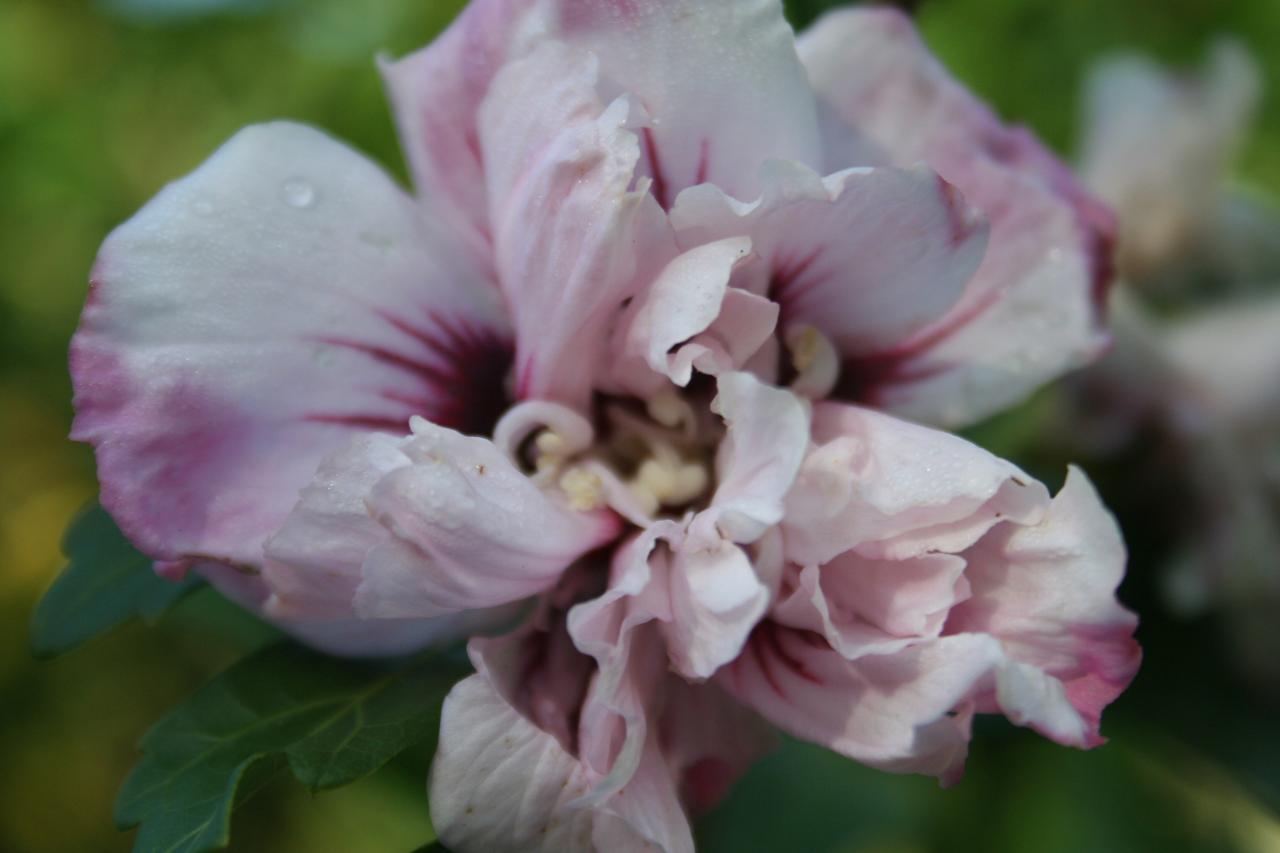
x: 668, y: 408
x: 550, y: 450
x: 816, y: 362
x: 583, y: 489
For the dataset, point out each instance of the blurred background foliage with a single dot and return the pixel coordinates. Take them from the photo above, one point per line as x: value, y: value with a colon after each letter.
x: 103, y: 102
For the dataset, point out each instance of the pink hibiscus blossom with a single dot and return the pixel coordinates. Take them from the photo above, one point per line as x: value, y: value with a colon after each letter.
x: 616, y: 355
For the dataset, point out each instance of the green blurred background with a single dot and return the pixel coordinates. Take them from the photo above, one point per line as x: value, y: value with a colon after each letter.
x: 101, y: 103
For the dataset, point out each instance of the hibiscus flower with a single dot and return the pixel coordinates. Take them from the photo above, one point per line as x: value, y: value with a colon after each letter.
x: 637, y: 349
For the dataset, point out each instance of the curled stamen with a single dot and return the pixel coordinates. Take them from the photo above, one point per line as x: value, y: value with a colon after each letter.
x: 558, y: 432
x: 816, y: 362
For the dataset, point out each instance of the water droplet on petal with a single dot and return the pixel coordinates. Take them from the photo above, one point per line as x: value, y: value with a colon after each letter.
x: 202, y: 206
x: 298, y: 193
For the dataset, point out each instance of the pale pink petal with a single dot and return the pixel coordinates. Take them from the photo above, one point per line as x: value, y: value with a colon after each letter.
x: 253, y: 317
x: 759, y: 457
x: 1033, y: 310
x: 470, y: 530
x: 702, y: 590
x: 894, y: 489
x: 905, y: 712
x: 866, y: 256
x: 719, y: 79
x: 904, y: 598
x: 803, y: 603
x: 537, y: 669
x: 436, y: 94
x: 597, y: 711
x: 1030, y: 697
x: 315, y: 560
x: 344, y: 635
x: 757, y: 105
x: 716, y: 593
x: 710, y: 740
x: 499, y: 783
x: 572, y: 240
x: 742, y: 332
x: 865, y: 606
x: 1047, y: 592
x: 314, y: 563
x: 646, y: 814
x: 614, y: 718
x: 690, y: 318
x: 716, y: 600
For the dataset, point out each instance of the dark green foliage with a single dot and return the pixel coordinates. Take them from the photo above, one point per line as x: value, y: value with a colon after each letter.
x: 330, y: 721
x: 105, y: 584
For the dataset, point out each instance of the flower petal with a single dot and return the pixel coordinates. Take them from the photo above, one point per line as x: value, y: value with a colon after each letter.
x: 719, y: 78
x: 469, y: 530
x: 717, y: 595
x: 711, y: 740
x: 315, y: 559
x: 690, y: 303
x: 1033, y: 310
x: 894, y: 711
x: 315, y: 562
x: 573, y: 242
x: 759, y: 457
x: 500, y: 783
x: 894, y: 489
x: 716, y: 599
x: 865, y: 606
x: 343, y: 635
x: 436, y: 94
x: 866, y: 256
x: 1047, y: 591
x: 614, y: 722
x: 250, y: 319
x: 708, y: 740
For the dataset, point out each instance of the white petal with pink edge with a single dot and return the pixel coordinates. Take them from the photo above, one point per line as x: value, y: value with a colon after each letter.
x: 572, y: 240
x: 893, y: 489
x: 468, y: 529
x: 1034, y: 308
x: 1048, y: 592
x: 866, y: 256
x: 689, y: 318
x: 436, y: 93
x: 902, y: 712
x: 719, y: 78
x: 252, y: 318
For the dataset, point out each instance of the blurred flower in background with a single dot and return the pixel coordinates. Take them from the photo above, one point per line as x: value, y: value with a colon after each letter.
x: 1196, y: 360
x: 1157, y: 147
x: 101, y: 103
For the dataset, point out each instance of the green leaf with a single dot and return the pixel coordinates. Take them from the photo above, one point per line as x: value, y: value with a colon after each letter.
x: 334, y: 721
x: 105, y: 584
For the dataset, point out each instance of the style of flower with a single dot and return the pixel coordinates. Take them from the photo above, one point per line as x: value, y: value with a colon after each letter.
x: 623, y: 354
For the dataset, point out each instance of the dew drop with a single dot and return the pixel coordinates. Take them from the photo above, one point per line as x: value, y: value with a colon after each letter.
x: 298, y: 193
x: 202, y: 207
